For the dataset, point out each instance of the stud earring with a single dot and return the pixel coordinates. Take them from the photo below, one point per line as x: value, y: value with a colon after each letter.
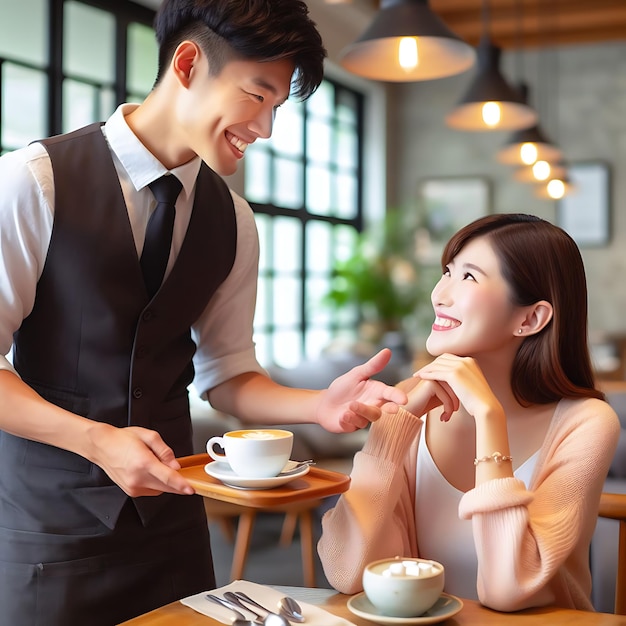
x: 519, y: 331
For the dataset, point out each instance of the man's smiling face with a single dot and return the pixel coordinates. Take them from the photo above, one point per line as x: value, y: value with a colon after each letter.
x: 221, y: 115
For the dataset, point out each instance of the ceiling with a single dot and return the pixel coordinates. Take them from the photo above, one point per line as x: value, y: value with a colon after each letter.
x: 543, y: 22
x: 521, y: 23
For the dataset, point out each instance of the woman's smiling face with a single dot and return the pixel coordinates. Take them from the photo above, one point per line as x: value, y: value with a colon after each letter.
x: 473, y: 308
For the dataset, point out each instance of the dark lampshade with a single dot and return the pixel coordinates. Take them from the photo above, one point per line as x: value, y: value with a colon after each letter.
x: 432, y: 49
x: 490, y: 102
x: 527, y: 146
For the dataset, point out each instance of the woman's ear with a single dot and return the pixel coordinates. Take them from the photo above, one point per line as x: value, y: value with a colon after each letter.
x: 537, y: 318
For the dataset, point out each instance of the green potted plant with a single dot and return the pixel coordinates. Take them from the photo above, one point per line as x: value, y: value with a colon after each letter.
x: 383, y: 279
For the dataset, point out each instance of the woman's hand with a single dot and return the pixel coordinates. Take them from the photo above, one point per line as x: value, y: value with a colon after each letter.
x: 462, y: 379
x: 425, y: 395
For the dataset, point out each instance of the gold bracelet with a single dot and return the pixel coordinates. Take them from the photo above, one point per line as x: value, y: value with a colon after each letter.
x: 496, y: 457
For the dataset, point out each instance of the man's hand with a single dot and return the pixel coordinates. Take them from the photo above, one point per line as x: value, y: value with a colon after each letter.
x: 137, y: 460
x: 353, y: 400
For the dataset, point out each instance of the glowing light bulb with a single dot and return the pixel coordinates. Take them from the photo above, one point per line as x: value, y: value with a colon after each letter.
x: 556, y: 188
x: 541, y: 170
x: 491, y: 113
x: 528, y: 153
x: 407, y: 53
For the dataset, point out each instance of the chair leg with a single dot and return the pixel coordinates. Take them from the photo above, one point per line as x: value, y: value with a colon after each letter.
x: 306, y: 545
x: 620, y: 587
x: 242, y: 544
x: 288, y: 529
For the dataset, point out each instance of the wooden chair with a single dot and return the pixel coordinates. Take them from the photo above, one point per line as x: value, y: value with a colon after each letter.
x: 613, y: 506
x: 298, y: 513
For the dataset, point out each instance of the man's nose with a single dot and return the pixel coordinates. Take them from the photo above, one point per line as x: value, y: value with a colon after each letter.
x: 263, y: 124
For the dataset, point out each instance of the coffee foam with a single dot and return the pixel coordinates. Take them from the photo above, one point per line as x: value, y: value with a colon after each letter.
x: 259, y: 434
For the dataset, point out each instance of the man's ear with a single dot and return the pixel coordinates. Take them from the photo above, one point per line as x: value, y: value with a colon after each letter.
x: 537, y: 318
x: 185, y: 58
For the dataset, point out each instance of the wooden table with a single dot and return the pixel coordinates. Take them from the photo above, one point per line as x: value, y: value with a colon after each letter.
x: 472, y: 614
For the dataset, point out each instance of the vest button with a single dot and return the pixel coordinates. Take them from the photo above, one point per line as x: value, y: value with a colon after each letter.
x: 137, y: 392
x: 140, y: 352
x: 147, y: 315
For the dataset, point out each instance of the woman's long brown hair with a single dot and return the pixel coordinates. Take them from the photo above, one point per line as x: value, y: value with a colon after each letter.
x: 540, y: 261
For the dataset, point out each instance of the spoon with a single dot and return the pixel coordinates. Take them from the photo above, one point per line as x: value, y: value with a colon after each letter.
x: 240, y: 620
x: 290, y: 609
x: 271, y: 619
x: 296, y: 468
x: 287, y: 607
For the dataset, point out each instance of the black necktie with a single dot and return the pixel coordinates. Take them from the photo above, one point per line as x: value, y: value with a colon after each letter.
x: 156, y: 247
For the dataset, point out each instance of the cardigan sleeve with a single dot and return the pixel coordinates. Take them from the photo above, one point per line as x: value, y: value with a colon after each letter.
x: 532, y: 545
x: 359, y: 529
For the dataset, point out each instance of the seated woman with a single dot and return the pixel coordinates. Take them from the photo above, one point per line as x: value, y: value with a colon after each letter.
x: 500, y: 478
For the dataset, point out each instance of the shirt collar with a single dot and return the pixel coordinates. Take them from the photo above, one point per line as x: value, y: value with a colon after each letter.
x: 140, y: 164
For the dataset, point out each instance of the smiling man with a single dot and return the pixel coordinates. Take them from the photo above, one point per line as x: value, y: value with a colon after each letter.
x: 94, y: 407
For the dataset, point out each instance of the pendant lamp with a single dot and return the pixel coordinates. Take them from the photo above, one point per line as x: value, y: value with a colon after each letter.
x: 407, y: 42
x: 540, y: 172
x: 528, y: 145
x: 555, y: 188
x: 490, y: 102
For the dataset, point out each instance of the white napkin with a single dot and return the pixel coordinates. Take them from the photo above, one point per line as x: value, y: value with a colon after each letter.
x: 315, y: 616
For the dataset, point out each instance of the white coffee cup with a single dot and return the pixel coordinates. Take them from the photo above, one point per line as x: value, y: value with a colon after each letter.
x: 254, y: 453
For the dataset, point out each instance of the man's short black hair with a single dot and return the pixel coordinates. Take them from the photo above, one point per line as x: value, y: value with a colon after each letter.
x: 259, y: 30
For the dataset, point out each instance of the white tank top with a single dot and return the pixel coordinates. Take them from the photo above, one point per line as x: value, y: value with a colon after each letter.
x: 441, y: 534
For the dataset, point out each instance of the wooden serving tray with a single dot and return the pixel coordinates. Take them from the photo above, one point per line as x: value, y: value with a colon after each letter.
x: 317, y: 483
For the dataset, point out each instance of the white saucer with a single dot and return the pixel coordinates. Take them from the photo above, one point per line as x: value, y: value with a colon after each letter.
x: 444, y: 608
x: 223, y: 472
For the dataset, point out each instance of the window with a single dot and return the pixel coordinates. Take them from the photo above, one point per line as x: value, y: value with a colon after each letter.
x: 304, y: 186
x: 107, y: 55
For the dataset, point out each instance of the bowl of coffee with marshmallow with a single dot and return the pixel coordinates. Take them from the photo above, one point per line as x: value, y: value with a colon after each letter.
x: 403, y: 587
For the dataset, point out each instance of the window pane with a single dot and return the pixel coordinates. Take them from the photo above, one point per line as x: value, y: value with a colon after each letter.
x: 23, y: 30
x: 345, y: 242
x: 85, y: 104
x: 24, y: 106
x: 316, y: 289
x: 319, y: 141
x: 287, y: 294
x: 262, y: 342
x: 318, y: 190
x: 257, y: 174
x: 89, y: 42
x: 288, y: 192
x: 318, y: 246
x: 288, y: 133
x: 316, y: 340
x: 142, y: 58
x: 286, y: 348
x: 347, y: 148
x: 346, y: 187
x: 288, y: 244
x: 322, y: 102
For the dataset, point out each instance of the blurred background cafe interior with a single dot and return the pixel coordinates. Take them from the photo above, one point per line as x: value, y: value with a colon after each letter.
x: 502, y: 106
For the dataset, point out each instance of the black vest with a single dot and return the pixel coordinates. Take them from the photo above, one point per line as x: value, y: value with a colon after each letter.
x: 94, y: 344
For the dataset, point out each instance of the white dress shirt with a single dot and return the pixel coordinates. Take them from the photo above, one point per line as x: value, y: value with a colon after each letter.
x: 223, y: 333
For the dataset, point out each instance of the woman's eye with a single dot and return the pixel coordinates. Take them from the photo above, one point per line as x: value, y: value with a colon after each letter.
x: 468, y: 276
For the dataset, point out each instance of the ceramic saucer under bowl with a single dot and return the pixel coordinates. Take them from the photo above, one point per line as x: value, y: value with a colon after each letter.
x: 222, y: 471
x: 444, y: 608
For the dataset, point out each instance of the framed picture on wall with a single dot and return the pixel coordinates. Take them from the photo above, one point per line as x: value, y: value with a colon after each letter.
x: 586, y: 212
x: 447, y: 204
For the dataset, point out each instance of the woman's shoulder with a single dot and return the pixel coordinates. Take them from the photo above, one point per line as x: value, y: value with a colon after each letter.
x: 587, y: 412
